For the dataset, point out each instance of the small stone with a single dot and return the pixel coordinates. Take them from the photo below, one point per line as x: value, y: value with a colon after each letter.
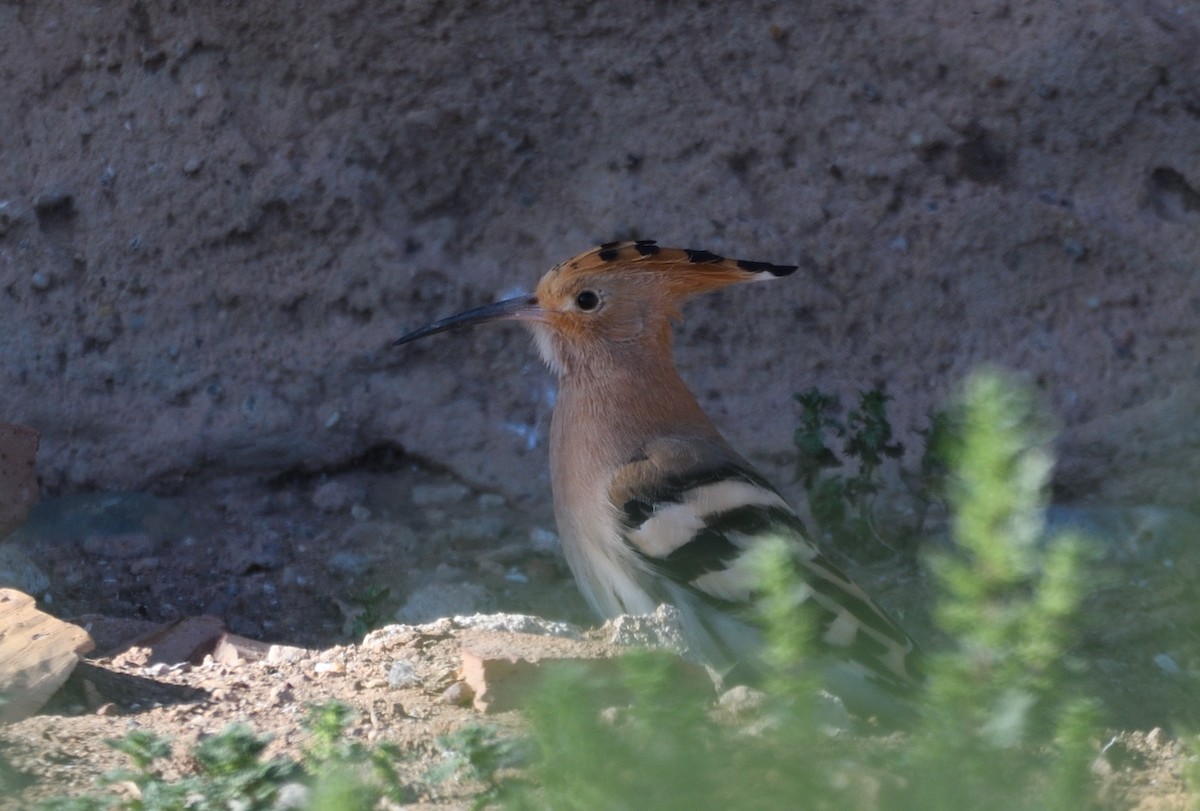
x: 40, y: 281
x: 53, y: 198
x: 321, y: 668
x: 502, y: 675
x: 458, y: 694
x: 613, y: 717
x: 1155, y: 737
x: 402, y: 674
x: 428, y: 495
x: 37, y: 654
x: 285, y: 653
x: 741, y: 700
x: 1167, y: 664
x: 360, y: 512
x: 662, y: 629
x: 282, y: 694
x: 192, y: 165
x: 544, y: 540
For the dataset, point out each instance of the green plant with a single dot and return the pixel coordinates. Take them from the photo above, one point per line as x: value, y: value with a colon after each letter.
x: 1191, y: 773
x: 370, y: 602
x: 996, y: 703
x: 231, y: 772
x: 479, y: 753
x: 843, y: 504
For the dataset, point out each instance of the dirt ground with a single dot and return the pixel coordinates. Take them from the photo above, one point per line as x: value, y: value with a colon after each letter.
x: 302, y: 561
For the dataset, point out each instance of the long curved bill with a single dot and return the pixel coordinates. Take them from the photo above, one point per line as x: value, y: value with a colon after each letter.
x: 521, y: 308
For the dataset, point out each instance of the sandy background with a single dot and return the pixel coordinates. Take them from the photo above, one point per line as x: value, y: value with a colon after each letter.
x: 214, y: 218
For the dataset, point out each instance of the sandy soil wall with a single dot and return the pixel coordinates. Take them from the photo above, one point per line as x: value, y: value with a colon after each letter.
x: 214, y: 217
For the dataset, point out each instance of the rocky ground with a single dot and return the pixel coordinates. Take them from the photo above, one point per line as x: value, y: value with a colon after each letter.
x: 312, y: 562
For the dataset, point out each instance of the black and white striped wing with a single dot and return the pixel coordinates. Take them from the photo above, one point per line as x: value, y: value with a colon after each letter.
x: 691, y: 523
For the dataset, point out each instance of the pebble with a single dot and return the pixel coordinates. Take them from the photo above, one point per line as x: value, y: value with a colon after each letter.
x: 51, y: 198
x: 402, y: 674
x: 40, y: 281
x: 285, y: 653
x: 1167, y: 664
x: 544, y: 540
x: 458, y: 694
x: 741, y: 700
x: 192, y: 165
x: 662, y: 629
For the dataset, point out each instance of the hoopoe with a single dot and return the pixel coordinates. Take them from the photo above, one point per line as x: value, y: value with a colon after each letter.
x: 653, y: 505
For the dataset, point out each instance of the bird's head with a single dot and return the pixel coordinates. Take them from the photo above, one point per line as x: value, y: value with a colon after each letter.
x: 621, y: 295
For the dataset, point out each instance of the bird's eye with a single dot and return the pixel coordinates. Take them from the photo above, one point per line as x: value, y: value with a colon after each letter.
x: 587, y: 300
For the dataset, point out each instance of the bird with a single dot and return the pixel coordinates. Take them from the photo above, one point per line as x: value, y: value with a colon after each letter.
x: 653, y: 504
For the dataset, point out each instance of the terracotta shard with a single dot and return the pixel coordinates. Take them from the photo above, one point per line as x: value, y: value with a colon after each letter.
x: 18, y: 475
